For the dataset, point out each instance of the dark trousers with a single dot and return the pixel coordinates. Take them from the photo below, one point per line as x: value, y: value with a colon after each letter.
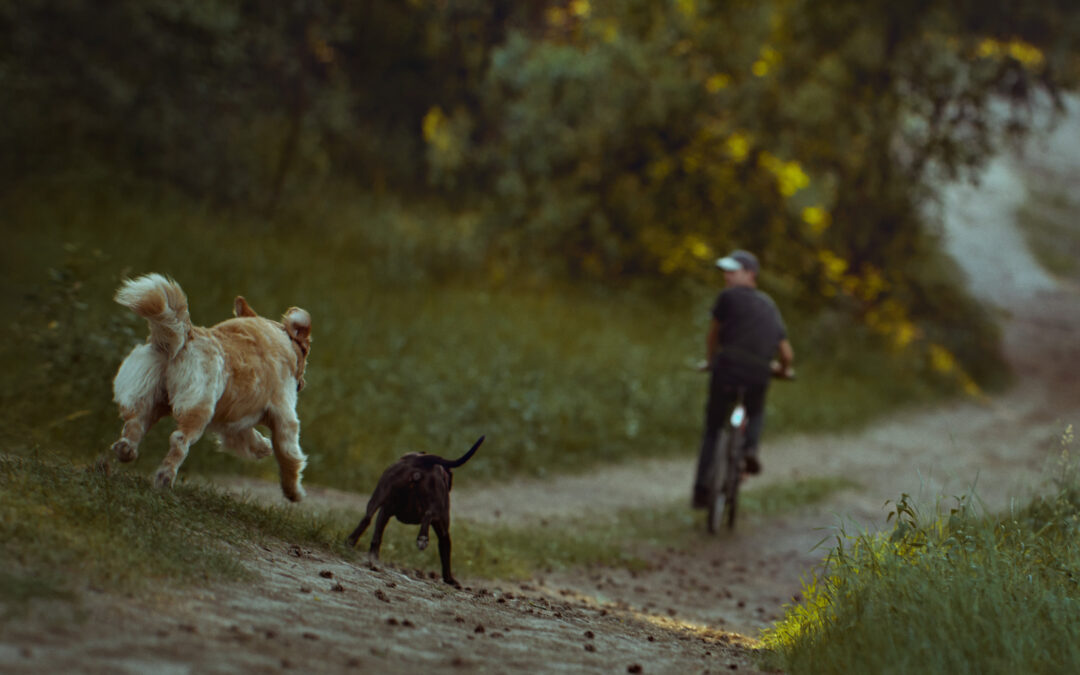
x: 722, y: 396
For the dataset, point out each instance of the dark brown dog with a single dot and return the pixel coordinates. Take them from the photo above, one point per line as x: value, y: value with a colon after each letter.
x: 415, y: 490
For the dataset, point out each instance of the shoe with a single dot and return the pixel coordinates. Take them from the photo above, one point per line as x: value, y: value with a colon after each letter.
x: 700, y: 499
x: 752, y: 464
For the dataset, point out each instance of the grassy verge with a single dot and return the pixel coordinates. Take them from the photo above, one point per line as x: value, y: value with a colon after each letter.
x: 413, y: 348
x: 66, y: 528
x: 1048, y: 221
x: 946, y: 592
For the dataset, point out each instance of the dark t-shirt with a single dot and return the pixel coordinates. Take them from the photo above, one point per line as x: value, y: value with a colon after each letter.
x: 751, y: 329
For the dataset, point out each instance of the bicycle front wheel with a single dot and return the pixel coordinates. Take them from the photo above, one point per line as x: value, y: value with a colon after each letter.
x: 723, y: 492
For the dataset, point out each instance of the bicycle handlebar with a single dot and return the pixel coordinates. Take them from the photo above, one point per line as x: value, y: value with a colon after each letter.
x: 774, y: 370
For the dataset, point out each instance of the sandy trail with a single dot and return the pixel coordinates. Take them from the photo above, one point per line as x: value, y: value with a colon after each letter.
x: 693, y: 612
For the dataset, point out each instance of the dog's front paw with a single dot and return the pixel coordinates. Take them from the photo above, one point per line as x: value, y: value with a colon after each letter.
x: 421, y: 542
x: 125, y: 450
x: 164, y: 478
x: 452, y: 581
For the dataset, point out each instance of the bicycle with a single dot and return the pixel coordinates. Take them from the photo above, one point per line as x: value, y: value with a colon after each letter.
x: 729, y: 462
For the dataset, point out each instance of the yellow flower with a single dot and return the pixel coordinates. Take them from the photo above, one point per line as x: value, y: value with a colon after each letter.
x: 789, y: 175
x: 792, y: 179
x: 1024, y: 52
x: 817, y: 218
x: 904, y: 334
x: 698, y: 248
x: 941, y: 359
x: 1027, y: 54
x: 988, y: 48
x: 717, y: 82
x: 436, y: 129
x: 835, y: 266
x: 738, y: 146
x: 970, y: 388
x: 580, y: 8
x: 872, y: 285
x: 609, y: 30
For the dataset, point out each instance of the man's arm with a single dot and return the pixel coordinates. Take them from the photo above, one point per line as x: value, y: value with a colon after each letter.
x: 787, y: 359
x: 712, y: 339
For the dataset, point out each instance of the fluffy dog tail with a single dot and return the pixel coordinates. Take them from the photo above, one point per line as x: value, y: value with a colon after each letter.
x: 163, y: 304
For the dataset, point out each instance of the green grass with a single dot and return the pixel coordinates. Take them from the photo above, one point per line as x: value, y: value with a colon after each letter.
x: 415, y: 348
x: 64, y: 527
x: 945, y: 592
x: 1049, y: 223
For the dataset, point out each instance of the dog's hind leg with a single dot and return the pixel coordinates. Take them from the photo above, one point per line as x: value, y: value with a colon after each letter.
x: 442, y: 531
x: 138, y: 390
x: 137, y: 421
x: 376, y: 537
x: 422, y: 537
x: 359, y: 531
x: 285, y: 430
x: 190, y: 425
x: 372, y: 506
x: 249, y: 444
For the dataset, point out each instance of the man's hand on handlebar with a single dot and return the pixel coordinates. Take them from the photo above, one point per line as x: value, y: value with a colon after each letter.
x: 781, y: 371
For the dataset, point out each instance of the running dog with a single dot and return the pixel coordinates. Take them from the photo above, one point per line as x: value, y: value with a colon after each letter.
x: 225, y: 379
x: 415, y: 490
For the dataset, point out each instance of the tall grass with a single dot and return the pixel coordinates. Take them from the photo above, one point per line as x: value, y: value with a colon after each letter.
x: 947, y: 592
x: 1048, y: 221
x: 416, y: 345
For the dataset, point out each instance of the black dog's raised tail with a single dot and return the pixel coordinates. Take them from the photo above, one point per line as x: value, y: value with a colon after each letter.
x: 460, y: 460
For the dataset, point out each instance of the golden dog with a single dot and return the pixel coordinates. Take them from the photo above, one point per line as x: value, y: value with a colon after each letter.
x: 225, y: 379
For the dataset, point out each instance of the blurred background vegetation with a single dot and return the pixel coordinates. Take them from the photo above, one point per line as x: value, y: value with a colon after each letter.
x: 503, y: 215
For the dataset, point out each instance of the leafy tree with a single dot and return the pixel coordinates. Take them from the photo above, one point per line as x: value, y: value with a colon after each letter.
x: 628, y: 137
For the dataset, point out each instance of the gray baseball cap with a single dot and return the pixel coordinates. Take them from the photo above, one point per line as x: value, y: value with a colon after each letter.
x: 739, y: 260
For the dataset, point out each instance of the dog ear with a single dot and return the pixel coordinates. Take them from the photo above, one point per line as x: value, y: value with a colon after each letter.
x: 242, y: 308
x: 298, y: 324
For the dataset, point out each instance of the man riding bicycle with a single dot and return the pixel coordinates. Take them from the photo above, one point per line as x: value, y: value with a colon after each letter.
x: 745, y: 335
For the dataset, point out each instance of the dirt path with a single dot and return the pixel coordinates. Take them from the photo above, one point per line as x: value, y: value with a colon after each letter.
x: 694, y: 612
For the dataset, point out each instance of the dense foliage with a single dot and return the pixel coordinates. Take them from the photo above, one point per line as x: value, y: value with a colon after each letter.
x: 607, y: 138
